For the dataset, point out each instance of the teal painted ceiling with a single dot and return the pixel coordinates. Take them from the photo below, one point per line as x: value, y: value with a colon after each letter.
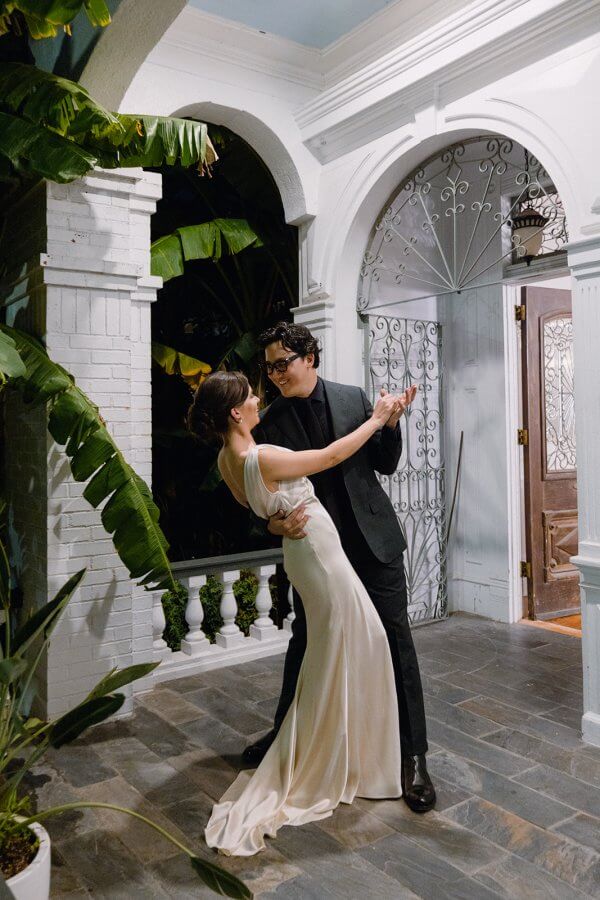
x: 315, y: 23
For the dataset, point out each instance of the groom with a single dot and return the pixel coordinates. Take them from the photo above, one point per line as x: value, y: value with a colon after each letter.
x: 310, y: 413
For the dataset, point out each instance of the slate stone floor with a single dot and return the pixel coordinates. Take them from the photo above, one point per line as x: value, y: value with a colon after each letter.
x: 518, y: 814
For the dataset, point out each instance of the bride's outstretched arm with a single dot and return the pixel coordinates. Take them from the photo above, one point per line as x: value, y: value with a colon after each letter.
x: 278, y: 465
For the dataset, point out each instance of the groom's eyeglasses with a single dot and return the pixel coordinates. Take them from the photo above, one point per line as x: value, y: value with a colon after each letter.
x: 280, y: 365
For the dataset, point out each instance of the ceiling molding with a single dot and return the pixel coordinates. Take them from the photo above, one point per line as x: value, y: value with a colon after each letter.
x: 214, y: 38
x: 438, y: 68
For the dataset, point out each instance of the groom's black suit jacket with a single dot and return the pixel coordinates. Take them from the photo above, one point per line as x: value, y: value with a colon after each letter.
x: 369, y: 504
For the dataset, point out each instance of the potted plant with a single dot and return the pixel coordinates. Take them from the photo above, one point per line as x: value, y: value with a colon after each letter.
x: 24, y: 843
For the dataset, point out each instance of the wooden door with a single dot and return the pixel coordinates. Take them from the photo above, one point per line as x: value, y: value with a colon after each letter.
x: 549, y: 454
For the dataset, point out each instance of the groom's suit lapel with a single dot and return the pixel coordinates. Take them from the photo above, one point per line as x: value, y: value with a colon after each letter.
x: 282, y: 418
x: 338, y: 408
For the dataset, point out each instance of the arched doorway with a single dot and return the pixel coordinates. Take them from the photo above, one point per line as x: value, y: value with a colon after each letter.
x: 208, y: 316
x: 447, y: 262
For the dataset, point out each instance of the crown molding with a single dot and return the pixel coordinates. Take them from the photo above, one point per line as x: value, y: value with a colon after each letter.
x: 212, y: 37
x: 429, y: 70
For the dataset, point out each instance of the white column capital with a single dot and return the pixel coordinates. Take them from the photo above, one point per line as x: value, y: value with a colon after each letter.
x: 584, y: 257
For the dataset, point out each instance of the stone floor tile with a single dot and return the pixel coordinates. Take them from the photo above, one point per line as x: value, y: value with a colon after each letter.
x: 354, y: 827
x: 565, y: 715
x: 79, y: 764
x: 246, y: 689
x: 447, y: 794
x: 424, y: 872
x: 514, y: 878
x: 578, y: 866
x: 269, y: 683
x: 495, y: 710
x: 262, y: 873
x: 47, y: 789
x: 498, y: 789
x: 158, y: 735
x: 170, y: 705
x: 436, y: 687
x: 244, y: 718
x: 438, y: 834
x: 564, y: 788
x: 516, y: 698
x: 501, y: 761
x: 144, y: 843
x: 205, y: 769
x: 574, y: 762
x: 64, y: 879
x: 581, y: 828
x: 211, y: 732
x: 458, y: 717
x: 179, y: 881
x: 345, y: 874
x: 107, y: 868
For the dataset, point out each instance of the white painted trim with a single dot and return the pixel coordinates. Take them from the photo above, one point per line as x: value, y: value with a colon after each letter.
x: 426, y: 71
x: 514, y: 454
x: 590, y: 727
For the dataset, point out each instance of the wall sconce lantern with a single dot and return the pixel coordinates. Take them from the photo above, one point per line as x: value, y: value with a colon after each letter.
x: 528, y: 224
x: 528, y: 233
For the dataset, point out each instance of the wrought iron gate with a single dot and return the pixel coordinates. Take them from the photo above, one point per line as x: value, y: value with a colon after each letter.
x: 402, y: 352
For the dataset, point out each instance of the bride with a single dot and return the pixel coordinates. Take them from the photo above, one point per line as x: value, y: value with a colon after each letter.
x: 340, y: 737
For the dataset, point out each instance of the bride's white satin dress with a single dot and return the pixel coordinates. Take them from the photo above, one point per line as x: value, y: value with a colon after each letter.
x: 340, y: 738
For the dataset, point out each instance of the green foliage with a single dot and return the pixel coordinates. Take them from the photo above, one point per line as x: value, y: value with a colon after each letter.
x: 43, y: 18
x: 129, y: 514
x: 24, y: 739
x: 209, y: 240
x: 50, y: 127
x: 174, y: 603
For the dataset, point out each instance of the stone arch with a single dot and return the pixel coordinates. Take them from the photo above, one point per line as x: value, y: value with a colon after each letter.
x: 117, y: 54
x: 268, y: 145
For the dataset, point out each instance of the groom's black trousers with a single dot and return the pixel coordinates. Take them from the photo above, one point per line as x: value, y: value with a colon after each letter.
x: 386, y: 585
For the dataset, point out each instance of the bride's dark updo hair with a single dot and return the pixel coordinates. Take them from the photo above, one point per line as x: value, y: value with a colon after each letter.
x: 209, y: 415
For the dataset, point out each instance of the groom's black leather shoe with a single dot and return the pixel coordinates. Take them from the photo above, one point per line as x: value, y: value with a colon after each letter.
x: 254, y: 753
x: 417, y: 788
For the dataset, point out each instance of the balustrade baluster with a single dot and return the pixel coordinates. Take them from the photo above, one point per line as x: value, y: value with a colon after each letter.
x: 159, y: 646
x: 263, y: 628
x: 195, y: 641
x: 229, y: 635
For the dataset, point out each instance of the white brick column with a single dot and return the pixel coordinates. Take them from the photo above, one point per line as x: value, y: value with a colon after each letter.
x: 584, y: 260
x: 92, y: 307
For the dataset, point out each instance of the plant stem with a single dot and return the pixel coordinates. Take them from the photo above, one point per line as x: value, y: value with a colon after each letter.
x: 44, y: 814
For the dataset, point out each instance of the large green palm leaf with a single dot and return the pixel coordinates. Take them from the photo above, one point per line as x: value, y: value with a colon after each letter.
x: 208, y: 240
x: 129, y: 514
x: 52, y: 128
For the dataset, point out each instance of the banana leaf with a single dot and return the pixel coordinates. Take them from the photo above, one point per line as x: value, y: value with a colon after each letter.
x: 208, y: 240
x: 175, y: 363
x: 33, y: 150
x: 130, y: 514
x: 52, y: 128
x: 11, y: 364
x: 44, y: 17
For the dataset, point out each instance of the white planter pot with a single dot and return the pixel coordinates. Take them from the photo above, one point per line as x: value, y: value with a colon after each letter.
x: 33, y: 883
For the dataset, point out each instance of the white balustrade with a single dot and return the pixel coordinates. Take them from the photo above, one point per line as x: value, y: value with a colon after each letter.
x: 287, y: 622
x: 159, y: 623
x: 229, y: 634
x: 263, y: 628
x: 195, y: 641
x: 231, y: 646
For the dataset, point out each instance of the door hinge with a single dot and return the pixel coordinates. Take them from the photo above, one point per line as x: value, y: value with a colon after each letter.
x: 525, y: 570
x: 520, y: 313
x: 522, y: 437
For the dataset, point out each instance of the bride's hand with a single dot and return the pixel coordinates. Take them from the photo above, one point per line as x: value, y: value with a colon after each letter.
x: 385, y: 407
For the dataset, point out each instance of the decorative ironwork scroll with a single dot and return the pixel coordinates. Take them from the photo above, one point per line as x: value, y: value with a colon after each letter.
x: 559, y: 397
x: 449, y: 226
x: 404, y: 352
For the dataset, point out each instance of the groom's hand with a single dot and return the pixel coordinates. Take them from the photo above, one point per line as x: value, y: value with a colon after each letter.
x: 404, y: 401
x: 291, y: 526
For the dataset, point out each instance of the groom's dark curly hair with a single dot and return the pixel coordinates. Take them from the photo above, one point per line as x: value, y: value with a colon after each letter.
x: 296, y: 338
